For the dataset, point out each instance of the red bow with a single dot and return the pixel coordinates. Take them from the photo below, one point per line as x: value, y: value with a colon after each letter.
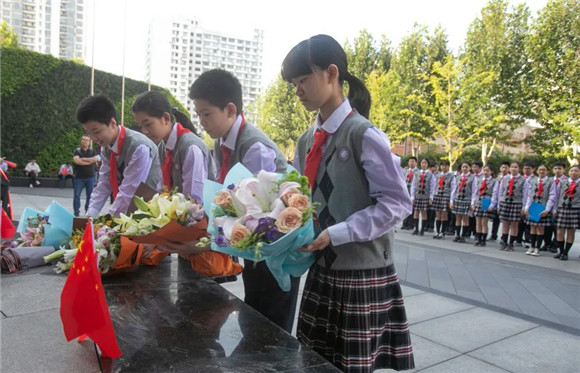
x: 570, y: 190
x: 462, y: 183
x: 483, y: 187
x: 441, y: 181
x: 511, y: 187
x: 540, y: 188
x: 422, y: 179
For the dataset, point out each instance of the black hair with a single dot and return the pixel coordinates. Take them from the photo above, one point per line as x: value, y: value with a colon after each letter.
x: 433, y: 164
x: 464, y: 162
x: 219, y: 88
x: 478, y: 163
x: 98, y: 108
x: 413, y: 158
x: 574, y: 166
x: 445, y: 163
x: 529, y: 164
x: 545, y: 165
x: 322, y: 51
x: 560, y: 164
x: 428, y: 162
x: 156, y: 104
x: 506, y: 163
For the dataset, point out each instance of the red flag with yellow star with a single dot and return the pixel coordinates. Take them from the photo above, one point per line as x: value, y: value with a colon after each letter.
x: 7, y: 229
x: 83, y: 306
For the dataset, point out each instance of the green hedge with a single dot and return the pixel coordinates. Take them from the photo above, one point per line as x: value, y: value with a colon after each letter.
x: 40, y: 94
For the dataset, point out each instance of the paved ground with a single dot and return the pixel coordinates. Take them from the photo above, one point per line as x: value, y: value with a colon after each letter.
x: 471, y: 309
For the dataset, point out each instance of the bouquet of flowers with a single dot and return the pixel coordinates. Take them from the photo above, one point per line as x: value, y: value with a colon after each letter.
x: 33, y: 233
x: 266, y: 217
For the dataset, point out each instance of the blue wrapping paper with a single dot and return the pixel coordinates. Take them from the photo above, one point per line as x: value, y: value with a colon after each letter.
x: 59, y: 227
x: 485, y: 203
x: 535, y: 210
x: 282, y: 257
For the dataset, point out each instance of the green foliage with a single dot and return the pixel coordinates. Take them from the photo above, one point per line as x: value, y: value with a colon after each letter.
x: 39, y: 98
x: 8, y: 37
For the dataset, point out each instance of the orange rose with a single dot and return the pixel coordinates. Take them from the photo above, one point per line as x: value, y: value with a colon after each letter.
x: 239, y: 232
x: 289, y: 219
x: 222, y: 199
x: 299, y: 201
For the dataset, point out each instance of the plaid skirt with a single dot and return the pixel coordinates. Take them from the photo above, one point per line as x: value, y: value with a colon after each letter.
x: 546, y: 221
x: 420, y: 204
x: 568, y: 218
x: 441, y: 203
x: 479, y: 213
x: 509, y: 211
x: 356, y: 319
x: 461, y: 207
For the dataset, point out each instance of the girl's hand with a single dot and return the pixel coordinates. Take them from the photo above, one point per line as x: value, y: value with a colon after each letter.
x: 544, y: 213
x: 472, y: 208
x: 185, y: 248
x: 490, y: 209
x: 321, y: 242
x: 430, y: 202
x: 526, y: 212
x: 451, y: 205
x: 523, y: 214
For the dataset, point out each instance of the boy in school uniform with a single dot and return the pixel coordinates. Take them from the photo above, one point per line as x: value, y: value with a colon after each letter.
x: 559, y: 170
x: 503, y: 171
x: 128, y: 157
x: 434, y: 167
x: 410, y: 172
x: 477, y: 170
x: 217, y: 96
x: 524, y: 235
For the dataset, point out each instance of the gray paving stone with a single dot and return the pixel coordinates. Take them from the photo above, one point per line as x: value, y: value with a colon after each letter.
x: 464, y: 364
x: 537, y: 350
x: 428, y: 353
x: 439, y: 277
x: 409, y: 291
x: 490, y: 288
x: 36, y: 292
x: 470, y: 329
x: 429, y: 306
x: 36, y: 343
x: 417, y: 268
x: 569, y: 293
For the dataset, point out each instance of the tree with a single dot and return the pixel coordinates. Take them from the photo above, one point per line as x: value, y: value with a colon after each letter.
x: 494, y: 49
x: 362, y: 57
x: 554, y: 48
x: 282, y: 117
x: 8, y: 37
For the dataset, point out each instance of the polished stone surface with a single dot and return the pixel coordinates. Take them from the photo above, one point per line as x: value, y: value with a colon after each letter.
x: 167, y: 318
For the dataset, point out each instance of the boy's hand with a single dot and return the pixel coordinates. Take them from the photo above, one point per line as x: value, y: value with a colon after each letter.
x: 321, y: 242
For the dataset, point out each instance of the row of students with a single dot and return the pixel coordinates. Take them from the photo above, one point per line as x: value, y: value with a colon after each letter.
x: 355, y: 269
x: 511, y: 196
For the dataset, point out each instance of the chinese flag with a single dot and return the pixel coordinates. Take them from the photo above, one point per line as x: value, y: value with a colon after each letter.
x: 7, y: 229
x: 83, y: 308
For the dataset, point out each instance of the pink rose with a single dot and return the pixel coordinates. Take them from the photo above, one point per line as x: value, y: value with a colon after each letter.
x: 286, y: 196
x: 239, y: 232
x: 222, y: 199
x: 289, y: 219
x: 299, y: 201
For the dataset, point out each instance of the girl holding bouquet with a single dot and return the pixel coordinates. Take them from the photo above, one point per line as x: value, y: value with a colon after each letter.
x: 360, y: 192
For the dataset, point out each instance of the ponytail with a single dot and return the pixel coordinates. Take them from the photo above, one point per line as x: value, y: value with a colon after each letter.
x: 184, y: 120
x: 358, y: 95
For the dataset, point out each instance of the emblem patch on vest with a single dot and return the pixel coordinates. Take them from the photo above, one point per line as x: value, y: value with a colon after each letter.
x: 344, y: 154
x: 176, y: 166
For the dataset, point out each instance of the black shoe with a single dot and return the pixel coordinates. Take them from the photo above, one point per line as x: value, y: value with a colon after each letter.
x: 552, y: 250
x: 415, y: 233
x: 77, y: 214
x: 503, y: 245
x: 482, y: 243
x: 441, y: 236
x: 544, y: 248
x: 421, y: 233
x: 456, y: 238
x: 510, y: 247
x: 564, y: 257
x: 478, y: 243
x: 436, y: 237
x: 492, y: 239
x: 429, y: 230
x: 461, y: 240
x: 558, y: 256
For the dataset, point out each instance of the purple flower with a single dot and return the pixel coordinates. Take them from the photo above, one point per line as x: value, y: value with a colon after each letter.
x: 231, y: 187
x: 264, y: 224
x: 221, y: 241
x: 273, y: 234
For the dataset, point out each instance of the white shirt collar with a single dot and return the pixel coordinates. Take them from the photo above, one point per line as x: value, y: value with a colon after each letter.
x: 335, y: 119
x: 172, y: 140
x: 230, y: 141
x: 115, y: 145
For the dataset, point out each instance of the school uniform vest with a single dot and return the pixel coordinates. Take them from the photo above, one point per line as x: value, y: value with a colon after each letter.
x: 178, y: 157
x: 447, y: 180
x: 409, y: 181
x: 535, y: 186
x: 423, y: 193
x: 248, y: 136
x: 564, y: 200
x: 488, y: 189
x: 132, y: 140
x: 518, y: 190
x: 342, y: 189
x: 465, y: 193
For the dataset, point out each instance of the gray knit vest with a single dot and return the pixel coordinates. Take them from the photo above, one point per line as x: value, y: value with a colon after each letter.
x: 178, y: 158
x: 564, y: 200
x: 248, y: 136
x: 132, y: 140
x: 465, y: 194
x: 535, y: 187
x: 425, y: 192
x: 518, y: 190
x: 447, y: 180
x: 489, y: 188
x: 341, y: 189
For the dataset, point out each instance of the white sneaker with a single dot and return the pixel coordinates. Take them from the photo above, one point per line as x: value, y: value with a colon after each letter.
x: 37, y: 182
x: 30, y: 186
x: 530, y: 251
x: 536, y: 252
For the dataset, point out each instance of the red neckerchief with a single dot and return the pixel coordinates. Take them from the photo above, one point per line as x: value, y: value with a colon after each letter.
x: 422, y: 179
x: 168, y: 161
x: 540, y: 187
x: 511, y: 186
x: 225, y: 167
x: 113, y: 177
x: 463, y: 180
x: 570, y: 190
x: 483, y: 187
x: 441, y: 181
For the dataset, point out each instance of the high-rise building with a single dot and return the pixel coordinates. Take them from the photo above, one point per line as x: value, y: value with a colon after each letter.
x: 48, y: 26
x: 180, y: 50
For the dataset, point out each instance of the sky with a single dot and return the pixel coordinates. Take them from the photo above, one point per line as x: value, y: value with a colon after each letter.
x: 123, y: 24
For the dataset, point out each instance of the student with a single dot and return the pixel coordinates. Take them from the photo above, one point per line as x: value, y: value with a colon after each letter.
x: 434, y: 167
x: 355, y: 269
x: 128, y: 157
x: 410, y: 173
x: 503, y: 171
x: 566, y: 210
x: 559, y: 170
x: 539, y: 192
x: 483, y: 188
x: 461, y: 201
x: 422, y: 192
x: 512, y: 194
x: 529, y: 170
x: 477, y: 171
x: 217, y: 96
x: 445, y: 183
